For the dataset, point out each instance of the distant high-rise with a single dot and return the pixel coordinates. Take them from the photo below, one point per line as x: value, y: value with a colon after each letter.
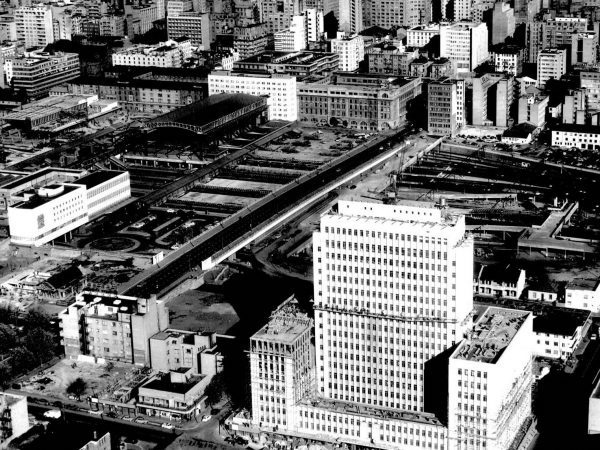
x: 465, y: 43
x: 34, y: 26
x: 350, y: 16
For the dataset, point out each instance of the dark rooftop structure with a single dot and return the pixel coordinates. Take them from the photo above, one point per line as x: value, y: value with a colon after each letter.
x: 583, y: 284
x: 95, y: 178
x: 576, y: 128
x: 499, y: 273
x: 65, y: 277
x: 218, y: 106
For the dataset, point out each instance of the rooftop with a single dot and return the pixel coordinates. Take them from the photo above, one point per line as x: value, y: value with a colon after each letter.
x: 500, y: 273
x: 36, y: 200
x: 561, y: 321
x: 575, y: 128
x: 95, y: 178
x: 271, y: 57
x: 491, y: 335
x: 522, y: 130
x: 128, y: 305
x: 39, y: 175
x: 286, y: 324
x: 583, y: 284
x: 217, y: 106
x: 163, y: 383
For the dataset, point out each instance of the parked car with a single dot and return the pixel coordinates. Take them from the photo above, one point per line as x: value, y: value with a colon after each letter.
x: 129, y: 419
x: 167, y: 426
x: 206, y: 418
x: 141, y: 420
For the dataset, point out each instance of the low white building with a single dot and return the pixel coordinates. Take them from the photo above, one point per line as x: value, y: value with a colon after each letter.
x: 171, y: 53
x: 499, y: 280
x: 351, y: 50
x: 583, y: 293
x: 419, y: 36
x: 280, y: 88
x: 558, y: 332
x: 54, y: 209
x: 576, y: 136
x: 545, y: 292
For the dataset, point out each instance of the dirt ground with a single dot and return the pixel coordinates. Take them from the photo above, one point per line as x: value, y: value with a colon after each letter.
x: 197, y: 310
x: 55, y: 379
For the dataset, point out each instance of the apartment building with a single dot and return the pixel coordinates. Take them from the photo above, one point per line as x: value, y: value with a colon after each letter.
x: 489, y: 381
x: 583, y: 293
x: 360, y: 101
x: 584, y: 48
x: 551, y: 64
x: 193, y: 25
x: 280, y: 89
x: 250, y: 40
x: 508, y: 58
x: 390, y: 57
x: 102, y: 327
x: 14, y: 418
x: 445, y: 106
x: 277, y: 14
x: 557, y: 32
x: 141, y: 17
x: 532, y: 109
x: 502, y: 23
x: 392, y: 291
x: 559, y: 331
x: 50, y: 210
x: 489, y: 99
x: 350, y: 17
x: 292, y: 39
x: 351, y: 49
x: 313, y: 20
x: 172, y: 53
x: 465, y: 43
x: 37, y: 72
x: 34, y: 25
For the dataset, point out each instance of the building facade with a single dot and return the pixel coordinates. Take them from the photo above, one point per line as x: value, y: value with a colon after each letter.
x: 34, y: 25
x: 14, y: 418
x: 532, y: 109
x: 38, y: 72
x: 551, y: 64
x: 195, y: 26
x: 351, y: 50
x: 109, y: 327
x: 390, y: 58
x: 585, y: 137
x: 445, y: 106
x: 163, y: 54
x: 280, y: 89
x: 359, y: 101
x: 465, y: 43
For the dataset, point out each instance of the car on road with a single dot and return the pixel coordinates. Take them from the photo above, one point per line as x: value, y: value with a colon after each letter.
x: 129, y: 419
x: 95, y: 413
x: 141, y: 420
x: 52, y: 414
x: 168, y: 426
x: 206, y: 418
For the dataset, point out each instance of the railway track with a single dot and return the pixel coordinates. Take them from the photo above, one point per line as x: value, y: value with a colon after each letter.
x: 234, y: 227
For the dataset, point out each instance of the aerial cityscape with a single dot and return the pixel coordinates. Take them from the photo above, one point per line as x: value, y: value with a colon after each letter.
x: 300, y: 224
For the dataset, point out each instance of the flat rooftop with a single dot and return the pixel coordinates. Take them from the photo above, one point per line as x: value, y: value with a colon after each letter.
x: 286, y: 324
x: 583, y: 284
x: 39, y: 174
x: 126, y: 305
x: 164, y: 384
x: 491, y: 334
x: 271, y: 57
x: 36, y: 201
x: 95, y: 178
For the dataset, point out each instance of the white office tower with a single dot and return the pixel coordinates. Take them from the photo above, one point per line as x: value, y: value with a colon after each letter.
x: 393, y: 288
x: 281, y: 365
x: 393, y: 302
x: 490, y: 379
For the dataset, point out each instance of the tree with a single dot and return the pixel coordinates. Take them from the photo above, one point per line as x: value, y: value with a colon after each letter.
x: 8, y: 337
x: 5, y: 376
x: 77, y: 388
x: 331, y: 25
x: 22, y: 360
x: 215, y: 389
x: 40, y: 343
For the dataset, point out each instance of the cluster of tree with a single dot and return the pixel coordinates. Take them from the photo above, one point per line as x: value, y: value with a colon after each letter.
x: 26, y: 341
